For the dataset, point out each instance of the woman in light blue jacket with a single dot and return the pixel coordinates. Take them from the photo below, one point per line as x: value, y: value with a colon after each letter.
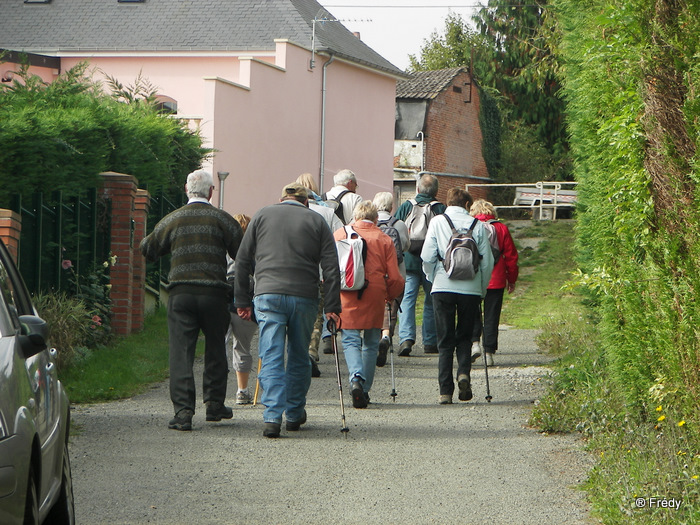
x: 456, y: 302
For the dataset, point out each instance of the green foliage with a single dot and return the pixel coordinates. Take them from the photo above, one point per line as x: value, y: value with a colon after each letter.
x: 630, y: 79
x: 518, y: 59
x: 490, y: 124
x: 69, y: 323
x: 60, y: 136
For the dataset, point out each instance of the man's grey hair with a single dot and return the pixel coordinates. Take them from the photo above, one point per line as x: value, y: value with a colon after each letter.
x: 427, y: 184
x: 199, y: 182
x: 343, y: 177
x: 384, y: 201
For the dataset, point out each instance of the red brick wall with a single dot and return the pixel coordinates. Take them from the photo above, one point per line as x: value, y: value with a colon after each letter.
x: 453, y: 135
x: 121, y: 189
x: 10, y: 228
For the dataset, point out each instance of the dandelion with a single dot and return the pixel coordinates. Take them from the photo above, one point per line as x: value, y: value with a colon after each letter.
x: 66, y: 264
x: 659, y: 408
x: 694, y: 477
x: 661, y: 418
x: 681, y: 423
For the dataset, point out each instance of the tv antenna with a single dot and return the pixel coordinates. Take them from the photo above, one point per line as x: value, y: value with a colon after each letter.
x: 321, y: 18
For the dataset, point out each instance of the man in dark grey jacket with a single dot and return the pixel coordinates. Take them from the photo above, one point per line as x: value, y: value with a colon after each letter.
x: 283, y: 247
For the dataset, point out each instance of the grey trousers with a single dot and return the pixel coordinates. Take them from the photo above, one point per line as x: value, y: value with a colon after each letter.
x: 187, y: 315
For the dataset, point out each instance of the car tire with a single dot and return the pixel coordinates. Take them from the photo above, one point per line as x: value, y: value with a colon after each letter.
x: 31, y: 503
x: 63, y: 511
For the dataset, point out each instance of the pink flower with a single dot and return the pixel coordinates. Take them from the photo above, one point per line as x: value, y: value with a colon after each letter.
x: 97, y: 320
x: 66, y: 264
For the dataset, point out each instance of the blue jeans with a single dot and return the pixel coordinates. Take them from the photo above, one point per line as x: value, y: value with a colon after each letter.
x: 284, y: 319
x: 361, y: 354
x: 407, y: 313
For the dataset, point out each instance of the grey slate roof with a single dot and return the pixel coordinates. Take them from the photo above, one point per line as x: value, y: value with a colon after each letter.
x: 427, y: 84
x: 177, y: 25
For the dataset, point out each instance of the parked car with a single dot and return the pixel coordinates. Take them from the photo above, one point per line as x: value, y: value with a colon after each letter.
x: 35, y: 475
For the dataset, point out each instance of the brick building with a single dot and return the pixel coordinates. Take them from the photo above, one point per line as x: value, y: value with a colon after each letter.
x: 437, y: 131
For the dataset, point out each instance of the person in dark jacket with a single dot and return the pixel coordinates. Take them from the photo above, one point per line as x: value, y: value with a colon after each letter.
x: 504, y: 276
x: 282, y: 248
x: 197, y: 236
x: 427, y: 188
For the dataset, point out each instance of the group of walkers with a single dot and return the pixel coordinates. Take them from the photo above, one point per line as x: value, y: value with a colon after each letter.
x: 279, y: 273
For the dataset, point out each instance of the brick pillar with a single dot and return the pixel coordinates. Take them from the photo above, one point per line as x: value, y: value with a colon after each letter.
x: 138, y: 300
x: 121, y: 190
x: 10, y: 228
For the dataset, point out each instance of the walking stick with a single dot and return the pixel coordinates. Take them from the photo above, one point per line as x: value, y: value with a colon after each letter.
x: 486, y: 371
x: 333, y: 329
x: 257, y: 383
x: 391, y: 359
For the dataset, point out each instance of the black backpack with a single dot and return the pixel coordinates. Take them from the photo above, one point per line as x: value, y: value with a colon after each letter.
x: 461, y: 261
x: 388, y: 228
x: 335, y: 204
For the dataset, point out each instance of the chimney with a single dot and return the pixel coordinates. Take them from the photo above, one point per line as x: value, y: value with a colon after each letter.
x: 357, y: 34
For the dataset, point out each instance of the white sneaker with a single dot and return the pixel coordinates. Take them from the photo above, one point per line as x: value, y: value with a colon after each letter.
x: 489, y: 358
x: 243, y: 398
x: 476, y: 351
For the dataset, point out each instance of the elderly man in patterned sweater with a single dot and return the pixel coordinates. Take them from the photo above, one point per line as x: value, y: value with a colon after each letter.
x: 197, y: 236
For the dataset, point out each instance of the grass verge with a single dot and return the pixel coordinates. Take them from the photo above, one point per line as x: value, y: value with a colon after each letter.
x: 122, y: 369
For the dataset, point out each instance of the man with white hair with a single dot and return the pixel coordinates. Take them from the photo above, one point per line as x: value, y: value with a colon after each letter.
x: 344, y: 193
x: 197, y: 236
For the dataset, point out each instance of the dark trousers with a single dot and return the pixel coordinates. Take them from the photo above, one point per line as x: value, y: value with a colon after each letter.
x: 454, y: 320
x: 187, y: 315
x: 493, y: 302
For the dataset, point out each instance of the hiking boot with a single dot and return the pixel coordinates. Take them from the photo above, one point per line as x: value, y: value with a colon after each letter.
x: 327, y: 346
x: 293, y: 426
x: 430, y: 349
x: 271, y: 430
x: 315, y: 371
x: 384, y: 345
x: 445, y: 399
x: 465, y: 388
x: 182, y: 420
x: 476, y: 351
x: 405, y: 348
x: 489, y: 358
x: 243, y: 398
x: 358, y: 394
x: 216, y: 411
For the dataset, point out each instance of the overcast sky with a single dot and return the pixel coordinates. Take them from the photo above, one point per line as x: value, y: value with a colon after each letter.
x: 397, y: 28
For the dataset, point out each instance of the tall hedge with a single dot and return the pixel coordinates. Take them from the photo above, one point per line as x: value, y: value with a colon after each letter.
x: 60, y: 136
x: 631, y: 78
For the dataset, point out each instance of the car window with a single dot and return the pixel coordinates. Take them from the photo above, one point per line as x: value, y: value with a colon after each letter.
x: 8, y: 293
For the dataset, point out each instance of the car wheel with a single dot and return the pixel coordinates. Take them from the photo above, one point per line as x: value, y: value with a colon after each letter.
x: 63, y: 512
x: 31, y: 503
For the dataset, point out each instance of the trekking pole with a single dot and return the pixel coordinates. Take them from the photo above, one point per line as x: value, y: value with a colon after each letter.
x: 393, y: 385
x: 486, y: 371
x: 333, y: 329
x: 391, y: 358
x: 257, y: 383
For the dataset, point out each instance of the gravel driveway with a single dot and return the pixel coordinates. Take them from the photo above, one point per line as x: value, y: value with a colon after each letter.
x: 403, y: 462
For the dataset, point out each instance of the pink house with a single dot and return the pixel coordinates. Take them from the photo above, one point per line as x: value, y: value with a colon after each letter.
x: 276, y: 87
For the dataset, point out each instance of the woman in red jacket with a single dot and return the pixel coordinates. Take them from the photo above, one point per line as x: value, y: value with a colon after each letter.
x: 362, y: 316
x: 504, y: 275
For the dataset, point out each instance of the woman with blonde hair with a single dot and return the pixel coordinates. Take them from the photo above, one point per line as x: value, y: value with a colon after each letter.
x: 504, y: 276
x: 362, y: 314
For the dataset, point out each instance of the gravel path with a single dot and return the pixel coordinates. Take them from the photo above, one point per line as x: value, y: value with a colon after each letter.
x: 403, y: 462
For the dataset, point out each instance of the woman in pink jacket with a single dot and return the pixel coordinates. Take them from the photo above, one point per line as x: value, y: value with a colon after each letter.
x: 504, y: 275
x: 365, y: 312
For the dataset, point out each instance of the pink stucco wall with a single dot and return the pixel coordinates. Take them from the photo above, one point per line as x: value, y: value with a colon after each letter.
x: 263, y: 117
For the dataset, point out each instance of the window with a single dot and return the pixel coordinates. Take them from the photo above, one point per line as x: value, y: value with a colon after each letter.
x: 166, y: 105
